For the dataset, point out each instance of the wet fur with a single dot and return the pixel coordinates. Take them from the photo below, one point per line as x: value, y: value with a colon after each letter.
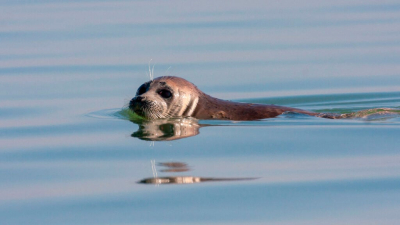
x: 200, y: 105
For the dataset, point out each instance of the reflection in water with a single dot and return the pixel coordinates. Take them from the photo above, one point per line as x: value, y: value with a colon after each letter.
x: 166, y: 129
x: 180, y: 167
x: 174, y: 167
x: 186, y: 180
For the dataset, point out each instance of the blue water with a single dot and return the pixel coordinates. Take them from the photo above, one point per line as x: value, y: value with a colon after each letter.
x: 67, y: 68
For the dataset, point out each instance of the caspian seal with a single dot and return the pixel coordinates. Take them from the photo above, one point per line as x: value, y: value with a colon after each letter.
x: 171, y: 97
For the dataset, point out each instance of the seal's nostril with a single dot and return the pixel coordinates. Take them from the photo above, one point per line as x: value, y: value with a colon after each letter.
x: 136, y: 100
x: 139, y: 98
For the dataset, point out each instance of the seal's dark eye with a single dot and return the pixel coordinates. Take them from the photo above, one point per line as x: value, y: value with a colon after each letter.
x: 165, y: 93
x: 141, y: 90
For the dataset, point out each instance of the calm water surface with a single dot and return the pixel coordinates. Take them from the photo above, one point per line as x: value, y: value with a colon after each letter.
x: 68, y: 157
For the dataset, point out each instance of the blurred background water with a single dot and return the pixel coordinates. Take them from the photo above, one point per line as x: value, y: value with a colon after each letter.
x: 61, y: 62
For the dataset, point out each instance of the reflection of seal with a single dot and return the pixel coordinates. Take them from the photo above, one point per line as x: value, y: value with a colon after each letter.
x: 169, y: 97
x: 182, y: 167
x: 166, y: 129
x: 187, y: 180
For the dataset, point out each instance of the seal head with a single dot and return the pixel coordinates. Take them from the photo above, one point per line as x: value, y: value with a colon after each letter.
x: 165, y: 97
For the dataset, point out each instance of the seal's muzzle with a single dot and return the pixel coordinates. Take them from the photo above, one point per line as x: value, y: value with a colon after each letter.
x: 136, y: 104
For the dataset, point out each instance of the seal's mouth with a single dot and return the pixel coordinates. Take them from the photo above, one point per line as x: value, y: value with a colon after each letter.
x: 145, y: 108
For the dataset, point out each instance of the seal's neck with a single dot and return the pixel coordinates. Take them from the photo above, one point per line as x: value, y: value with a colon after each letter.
x: 208, y: 107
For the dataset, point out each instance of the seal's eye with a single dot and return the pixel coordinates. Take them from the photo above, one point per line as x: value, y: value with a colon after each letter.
x: 141, y: 90
x: 165, y: 93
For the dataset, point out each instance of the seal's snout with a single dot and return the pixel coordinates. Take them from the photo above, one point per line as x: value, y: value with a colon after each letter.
x: 145, y: 107
x: 135, y: 101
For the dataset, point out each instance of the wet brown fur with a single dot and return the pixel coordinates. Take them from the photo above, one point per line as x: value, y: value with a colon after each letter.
x: 214, y: 108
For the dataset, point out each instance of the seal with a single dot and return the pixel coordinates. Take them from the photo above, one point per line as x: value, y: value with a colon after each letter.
x: 174, y: 97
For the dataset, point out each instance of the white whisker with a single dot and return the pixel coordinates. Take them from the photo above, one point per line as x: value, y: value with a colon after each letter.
x: 167, y: 71
x: 151, y: 70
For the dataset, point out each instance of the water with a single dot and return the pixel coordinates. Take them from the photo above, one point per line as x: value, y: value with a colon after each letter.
x: 67, y: 69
